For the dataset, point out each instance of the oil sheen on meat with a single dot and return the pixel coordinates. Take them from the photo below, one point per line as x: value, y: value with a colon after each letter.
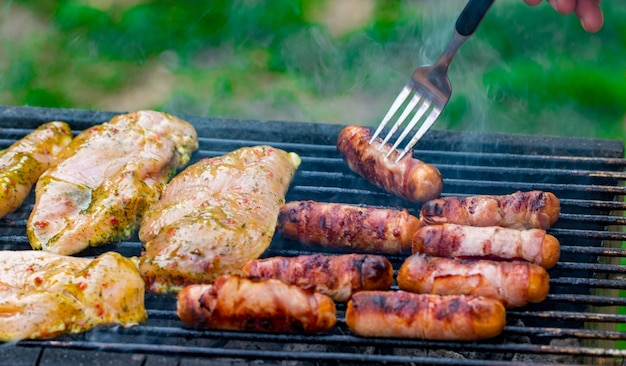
x: 348, y: 227
x: 103, y: 181
x: 260, y: 305
x: 214, y: 217
x: 514, y: 283
x: 24, y: 161
x: 410, y: 178
x: 43, y: 295
x: 403, y: 314
x: 490, y: 242
x: 338, y: 276
x: 519, y: 210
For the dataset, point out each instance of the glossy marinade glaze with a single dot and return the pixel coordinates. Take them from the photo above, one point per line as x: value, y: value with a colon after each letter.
x: 214, y: 217
x: 24, y: 161
x: 44, y: 295
x: 100, y: 184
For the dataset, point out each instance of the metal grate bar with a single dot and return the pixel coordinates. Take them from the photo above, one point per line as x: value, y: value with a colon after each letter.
x: 596, y: 283
x: 335, y: 357
x: 568, y: 315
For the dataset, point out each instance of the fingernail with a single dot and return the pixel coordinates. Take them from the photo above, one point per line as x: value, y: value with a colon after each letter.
x: 555, y: 4
x: 583, y: 22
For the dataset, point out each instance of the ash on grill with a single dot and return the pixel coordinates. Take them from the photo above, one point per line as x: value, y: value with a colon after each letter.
x: 579, y: 322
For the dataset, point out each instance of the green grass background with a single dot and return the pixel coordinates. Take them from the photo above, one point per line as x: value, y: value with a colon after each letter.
x: 526, y: 70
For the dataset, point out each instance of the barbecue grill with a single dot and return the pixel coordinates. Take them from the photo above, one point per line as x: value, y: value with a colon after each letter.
x: 579, y: 322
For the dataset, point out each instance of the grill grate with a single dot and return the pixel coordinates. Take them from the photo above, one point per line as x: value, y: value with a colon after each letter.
x: 578, y: 323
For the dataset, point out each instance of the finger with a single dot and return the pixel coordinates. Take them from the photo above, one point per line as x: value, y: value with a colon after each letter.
x: 563, y: 6
x: 533, y: 2
x: 590, y: 15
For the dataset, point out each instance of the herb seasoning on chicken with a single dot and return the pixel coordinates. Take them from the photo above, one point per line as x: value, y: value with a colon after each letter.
x: 22, y: 163
x: 104, y: 180
x: 43, y: 295
x: 214, y: 217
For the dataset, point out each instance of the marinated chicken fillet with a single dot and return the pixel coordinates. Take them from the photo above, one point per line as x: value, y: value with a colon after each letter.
x: 102, y: 182
x: 410, y: 178
x: 347, y: 227
x: 520, y: 210
x: 513, y: 283
x: 490, y: 242
x: 214, y: 217
x: 236, y: 303
x: 400, y: 314
x: 43, y: 295
x: 22, y: 163
x: 338, y: 276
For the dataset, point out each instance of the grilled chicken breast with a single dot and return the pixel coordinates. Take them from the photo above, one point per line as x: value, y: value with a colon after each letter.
x: 22, y: 163
x: 105, y: 179
x: 43, y: 295
x: 214, y: 217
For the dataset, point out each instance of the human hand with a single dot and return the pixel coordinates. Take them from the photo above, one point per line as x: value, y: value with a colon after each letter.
x: 588, y: 11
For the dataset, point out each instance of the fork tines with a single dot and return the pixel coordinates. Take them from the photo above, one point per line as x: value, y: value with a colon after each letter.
x: 426, y: 112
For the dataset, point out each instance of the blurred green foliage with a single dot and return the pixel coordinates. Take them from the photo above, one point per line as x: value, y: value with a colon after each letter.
x: 526, y: 70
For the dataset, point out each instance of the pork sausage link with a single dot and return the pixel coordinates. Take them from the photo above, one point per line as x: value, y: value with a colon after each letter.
x: 355, y: 228
x: 338, y: 276
x: 513, y: 283
x: 410, y: 178
x: 403, y: 314
x: 236, y: 303
x: 492, y: 242
x: 520, y: 210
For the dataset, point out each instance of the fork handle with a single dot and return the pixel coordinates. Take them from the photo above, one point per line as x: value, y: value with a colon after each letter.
x: 471, y: 16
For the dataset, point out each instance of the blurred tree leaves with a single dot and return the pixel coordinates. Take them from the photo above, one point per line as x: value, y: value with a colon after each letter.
x: 524, y: 68
x: 185, y: 27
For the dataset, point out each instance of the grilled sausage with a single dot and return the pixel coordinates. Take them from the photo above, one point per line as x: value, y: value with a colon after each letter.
x: 410, y: 178
x: 237, y: 303
x: 332, y: 225
x: 433, y: 317
x: 513, y: 283
x: 520, y: 210
x: 493, y: 242
x: 338, y: 276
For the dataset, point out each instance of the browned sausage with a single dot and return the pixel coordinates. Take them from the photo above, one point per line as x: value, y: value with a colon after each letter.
x: 363, y: 229
x: 410, y: 178
x: 513, y: 283
x: 236, y: 303
x: 407, y: 315
x: 520, y: 210
x: 337, y: 276
x: 492, y: 242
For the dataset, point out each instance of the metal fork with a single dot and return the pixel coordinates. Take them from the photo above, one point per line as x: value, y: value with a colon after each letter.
x: 430, y: 85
